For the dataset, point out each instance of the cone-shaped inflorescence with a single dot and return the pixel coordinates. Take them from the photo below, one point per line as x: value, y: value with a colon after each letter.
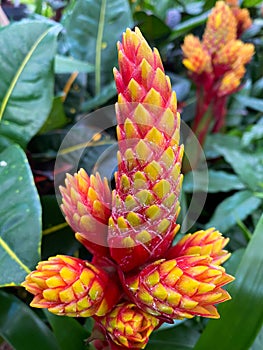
x: 128, y: 326
x: 72, y: 287
x: 184, y: 287
x: 217, y: 64
x: 209, y: 242
x: 148, y: 180
x: 136, y: 279
x: 87, y: 207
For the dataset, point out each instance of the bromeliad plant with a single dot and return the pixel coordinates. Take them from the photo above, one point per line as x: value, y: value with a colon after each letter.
x: 136, y: 280
x: 217, y: 64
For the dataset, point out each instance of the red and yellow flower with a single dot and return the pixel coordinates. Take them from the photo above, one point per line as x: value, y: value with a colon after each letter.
x: 137, y: 279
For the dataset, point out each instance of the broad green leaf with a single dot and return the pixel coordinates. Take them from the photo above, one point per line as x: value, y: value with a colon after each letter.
x: 188, y: 25
x: 22, y: 328
x: 27, y: 80
x: 57, y: 117
x: 242, y: 317
x: 92, y: 31
x: 258, y: 343
x: 64, y: 64
x: 251, y: 3
x: 233, y: 209
x: 219, y: 181
x: 20, y: 222
x: 178, y: 338
x: 251, y: 102
x: 70, y: 334
x: 248, y: 166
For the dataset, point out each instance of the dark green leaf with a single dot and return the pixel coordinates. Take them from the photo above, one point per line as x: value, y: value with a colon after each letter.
x: 69, y: 333
x: 64, y: 64
x: 178, y: 338
x: 20, y: 223
x: 93, y: 30
x: 106, y: 93
x: 152, y: 27
x: 219, y: 181
x: 242, y: 317
x: 22, y: 328
x: 188, y: 25
x: 55, y: 230
x: 57, y: 117
x: 26, y: 84
x: 234, y: 208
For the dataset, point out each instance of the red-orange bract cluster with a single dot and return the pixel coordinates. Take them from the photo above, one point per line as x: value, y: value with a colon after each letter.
x: 217, y: 63
x: 136, y: 279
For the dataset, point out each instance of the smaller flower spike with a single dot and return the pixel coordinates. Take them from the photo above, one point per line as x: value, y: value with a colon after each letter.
x: 220, y: 29
x: 209, y: 242
x: 128, y: 326
x: 180, y: 288
x: 242, y: 16
x: 72, y: 287
x: 86, y: 203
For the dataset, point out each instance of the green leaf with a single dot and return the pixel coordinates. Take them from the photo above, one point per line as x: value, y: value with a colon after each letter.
x: 64, y: 64
x: 69, y: 333
x: 234, y: 208
x: 22, y: 328
x: 258, y: 343
x: 188, y: 25
x: 248, y: 166
x: 57, y: 117
x: 92, y: 31
x: 152, y: 27
x: 20, y: 222
x: 106, y: 93
x: 242, y: 317
x: 251, y: 102
x: 251, y: 3
x: 178, y: 338
x: 219, y: 181
x: 27, y: 80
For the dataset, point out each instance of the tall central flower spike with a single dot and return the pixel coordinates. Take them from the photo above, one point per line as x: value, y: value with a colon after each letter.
x: 148, y: 181
x: 136, y: 279
x: 217, y: 64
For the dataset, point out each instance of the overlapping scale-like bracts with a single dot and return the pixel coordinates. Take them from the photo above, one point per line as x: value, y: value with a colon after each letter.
x: 86, y: 203
x: 128, y: 326
x: 204, y: 242
x: 73, y: 287
x: 180, y: 288
x: 148, y: 181
x: 221, y: 28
